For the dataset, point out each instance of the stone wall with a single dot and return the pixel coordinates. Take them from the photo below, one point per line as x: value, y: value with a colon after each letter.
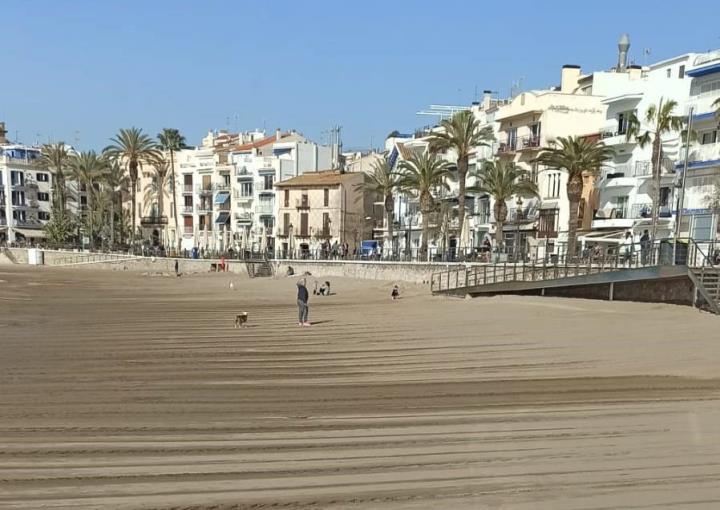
x: 367, y: 270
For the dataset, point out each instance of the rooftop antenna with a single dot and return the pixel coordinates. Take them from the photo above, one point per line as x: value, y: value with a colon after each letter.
x: 646, y: 54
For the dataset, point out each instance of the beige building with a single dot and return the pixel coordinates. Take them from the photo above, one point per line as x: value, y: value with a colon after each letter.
x: 320, y: 207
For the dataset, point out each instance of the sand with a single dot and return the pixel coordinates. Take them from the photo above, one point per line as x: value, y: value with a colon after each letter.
x: 119, y: 390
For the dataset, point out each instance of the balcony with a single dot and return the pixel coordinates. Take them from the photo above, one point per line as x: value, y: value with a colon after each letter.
x: 265, y: 209
x: 221, y: 186
x: 188, y: 231
x: 610, y: 135
x: 187, y: 189
x: 204, y: 207
x: 245, y: 217
x: 507, y: 148
x: 707, y: 152
x: 205, y: 189
x: 644, y: 168
x: 243, y: 174
x: 153, y: 221
x: 303, y: 203
x: 187, y: 209
x: 528, y: 143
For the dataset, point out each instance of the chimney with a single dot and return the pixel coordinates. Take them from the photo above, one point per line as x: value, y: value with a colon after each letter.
x: 623, y: 47
x: 487, y: 99
x: 569, y: 78
x: 634, y: 72
x: 277, y: 134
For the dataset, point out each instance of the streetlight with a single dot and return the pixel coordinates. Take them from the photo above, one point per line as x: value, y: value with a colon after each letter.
x: 518, y: 217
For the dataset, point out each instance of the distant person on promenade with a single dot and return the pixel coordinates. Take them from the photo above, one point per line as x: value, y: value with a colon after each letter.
x: 302, y: 302
x: 645, y: 248
x: 627, y: 248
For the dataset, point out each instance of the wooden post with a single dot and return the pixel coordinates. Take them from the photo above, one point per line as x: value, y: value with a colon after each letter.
x: 612, y: 291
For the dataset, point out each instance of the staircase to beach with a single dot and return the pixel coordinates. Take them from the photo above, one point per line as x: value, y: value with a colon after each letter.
x: 709, y: 278
x: 259, y: 268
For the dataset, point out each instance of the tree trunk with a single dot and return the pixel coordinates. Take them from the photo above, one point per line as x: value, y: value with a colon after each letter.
x: 574, y: 189
x: 656, y: 168
x: 90, y: 222
x: 133, y: 166
x: 178, y: 237
x: 500, y: 210
x: 389, y: 217
x: 161, y: 204
x: 425, y: 232
x: 112, y: 221
x: 462, y: 176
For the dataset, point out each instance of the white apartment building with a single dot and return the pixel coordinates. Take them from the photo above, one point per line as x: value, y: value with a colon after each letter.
x: 624, y: 189
x: 25, y: 193
x: 226, y: 194
x: 699, y: 220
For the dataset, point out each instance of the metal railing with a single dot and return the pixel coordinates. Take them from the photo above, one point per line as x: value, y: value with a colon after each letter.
x: 594, y: 260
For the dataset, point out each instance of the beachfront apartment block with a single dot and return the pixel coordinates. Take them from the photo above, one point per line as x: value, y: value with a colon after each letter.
x: 323, y: 208
x: 225, y: 190
x: 699, y: 209
x: 623, y: 200
x: 25, y: 192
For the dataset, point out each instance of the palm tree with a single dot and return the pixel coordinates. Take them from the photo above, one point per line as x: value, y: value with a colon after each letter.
x: 133, y: 149
x: 170, y: 140
x: 660, y: 122
x: 155, y: 188
x: 383, y: 181
x: 577, y: 156
x: 88, y: 169
x: 502, y: 180
x: 420, y: 175
x: 116, y: 182
x: 56, y: 157
x: 716, y: 105
x: 463, y: 135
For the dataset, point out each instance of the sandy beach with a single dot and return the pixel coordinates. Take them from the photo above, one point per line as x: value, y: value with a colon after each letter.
x: 120, y: 390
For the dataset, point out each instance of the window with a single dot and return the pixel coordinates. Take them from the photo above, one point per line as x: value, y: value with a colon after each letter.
x: 664, y: 197
x: 43, y: 177
x: 669, y: 72
x: 512, y: 138
x: 287, y: 198
x: 18, y: 198
x: 305, y: 201
x: 268, y: 182
x: 326, y: 224
x: 326, y: 197
x: 547, y: 223
x: 553, y: 185
x: 246, y: 189
x: 681, y: 72
x: 304, y: 225
x: 534, y: 172
x: 621, y: 208
x: 187, y: 199
x: 17, y: 178
x: 269, y: 223
x: 535, y: 130
x: 44, y: 197
x: 286, y: 222
x: 702, y: 227
x: 43, y: 215
x: 623, y: 119
x: 707, y: 137
x: 19, y: 215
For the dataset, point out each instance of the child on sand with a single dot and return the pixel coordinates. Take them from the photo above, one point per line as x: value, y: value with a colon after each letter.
x: 395, y: 294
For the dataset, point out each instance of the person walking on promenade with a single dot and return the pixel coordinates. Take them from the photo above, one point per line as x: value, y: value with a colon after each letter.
x: 302, y: 301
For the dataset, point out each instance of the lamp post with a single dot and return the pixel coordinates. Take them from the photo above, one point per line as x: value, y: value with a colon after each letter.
x: 518, y: 217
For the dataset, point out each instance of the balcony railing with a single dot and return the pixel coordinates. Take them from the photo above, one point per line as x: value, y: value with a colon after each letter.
x: 188, y: 188
x: 644, y: 168
x: 507, y: 148
x: 204, y: 207
x: 245, y: 217
x: 188, y: 230
x: 187, y: 209
x: 221, y: 186
x: 204, y: 189
x: 153, y: 221
x: 303, y: 203
x: 528, y: 142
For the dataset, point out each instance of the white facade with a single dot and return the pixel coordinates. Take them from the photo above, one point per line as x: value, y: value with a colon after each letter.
x: 625, y: 185
x: 700, y: 218
x: 25, y: 194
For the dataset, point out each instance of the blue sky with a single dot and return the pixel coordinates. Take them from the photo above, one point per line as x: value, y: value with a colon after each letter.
x: 82, y: 69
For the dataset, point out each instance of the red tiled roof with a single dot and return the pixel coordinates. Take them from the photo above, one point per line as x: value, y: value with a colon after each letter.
x: 254, y: 145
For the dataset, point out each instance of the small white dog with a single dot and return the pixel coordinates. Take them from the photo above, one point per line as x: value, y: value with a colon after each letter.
x: 241, y: 320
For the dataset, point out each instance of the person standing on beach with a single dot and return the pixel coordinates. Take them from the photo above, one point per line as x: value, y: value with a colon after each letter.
x: 177, y: 268
x: 302, y: 301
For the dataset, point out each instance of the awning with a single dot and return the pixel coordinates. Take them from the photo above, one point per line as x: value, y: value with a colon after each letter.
x: 30, y: 233
x: 222, y: 197
x: 223, y: 217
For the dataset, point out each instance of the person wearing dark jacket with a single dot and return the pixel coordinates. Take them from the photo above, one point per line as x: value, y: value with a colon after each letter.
x: 302, y: 300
